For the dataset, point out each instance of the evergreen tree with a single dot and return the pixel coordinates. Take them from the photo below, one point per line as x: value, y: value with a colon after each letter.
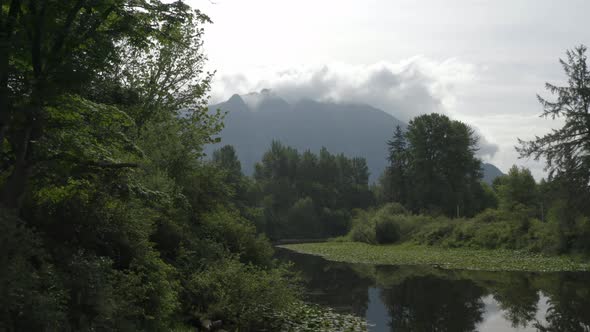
x: 567, y: 149
x: 396, y: 172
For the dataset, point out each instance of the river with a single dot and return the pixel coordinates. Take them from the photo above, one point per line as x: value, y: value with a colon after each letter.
x: 421, y: 298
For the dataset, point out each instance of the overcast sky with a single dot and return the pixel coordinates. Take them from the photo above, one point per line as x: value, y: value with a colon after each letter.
x: 478, y: 61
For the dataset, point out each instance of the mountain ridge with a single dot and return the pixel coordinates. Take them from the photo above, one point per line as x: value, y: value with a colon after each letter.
x: 352, y: 129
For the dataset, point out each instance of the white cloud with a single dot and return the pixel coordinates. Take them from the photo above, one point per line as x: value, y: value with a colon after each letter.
x: 405, y: 89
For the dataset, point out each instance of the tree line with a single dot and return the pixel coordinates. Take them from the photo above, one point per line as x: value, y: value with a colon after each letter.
x: 434, y: 175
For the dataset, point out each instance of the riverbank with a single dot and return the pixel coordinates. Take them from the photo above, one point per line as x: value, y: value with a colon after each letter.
x: 460, y: 258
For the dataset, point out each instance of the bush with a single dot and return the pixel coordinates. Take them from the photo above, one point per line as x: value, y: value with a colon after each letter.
x: 393, y: 209
x: 433, y: 233
x: 490, y: 216
x: 388, y: 224
x: 543, y: 237
x: 491, y: 229
x: 244, y: 296
x: 582, y: 234
x: 363, y: 230
x: 387, y: 231
x: 238, y: 236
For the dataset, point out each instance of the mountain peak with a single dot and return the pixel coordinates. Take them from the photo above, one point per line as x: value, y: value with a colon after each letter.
x: 235, y: 104
x: 266, y: 101
x: 490, y: 173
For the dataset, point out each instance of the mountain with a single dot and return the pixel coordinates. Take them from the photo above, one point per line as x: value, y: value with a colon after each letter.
x: 490, y: 172
x: 255, y: 119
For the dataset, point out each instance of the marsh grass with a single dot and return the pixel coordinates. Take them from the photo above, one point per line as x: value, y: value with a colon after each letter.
x: 446, y: 258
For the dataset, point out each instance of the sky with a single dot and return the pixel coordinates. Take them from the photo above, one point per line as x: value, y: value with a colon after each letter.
x: 478, y: 61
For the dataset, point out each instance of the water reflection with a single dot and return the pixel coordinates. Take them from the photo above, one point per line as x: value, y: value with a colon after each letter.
x: 407, y: 298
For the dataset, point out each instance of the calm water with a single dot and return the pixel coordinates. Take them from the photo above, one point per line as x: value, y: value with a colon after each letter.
x: 406, y: 298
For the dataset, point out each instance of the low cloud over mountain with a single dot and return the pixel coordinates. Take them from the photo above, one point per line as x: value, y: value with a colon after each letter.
x: 405, y: 89
x: 355, y: 129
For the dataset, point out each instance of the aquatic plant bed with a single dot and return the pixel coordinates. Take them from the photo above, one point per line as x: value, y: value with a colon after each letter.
x: 306, y: 317
x: 462, y: 258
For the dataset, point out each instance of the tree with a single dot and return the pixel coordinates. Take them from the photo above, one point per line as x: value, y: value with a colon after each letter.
x: 518, y: 187
x: 396, y: 172
x: 443, y: 169
x: 110, y: 218
x: 566, y: 150
x: 227, y: 159
x: 54, y: 47
x: 321, y: 188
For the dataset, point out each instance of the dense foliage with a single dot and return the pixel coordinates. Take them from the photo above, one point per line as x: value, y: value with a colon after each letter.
x: 308, y: 195
x: 529, y: 216
x: 433, y: 168
x: 110, y: 218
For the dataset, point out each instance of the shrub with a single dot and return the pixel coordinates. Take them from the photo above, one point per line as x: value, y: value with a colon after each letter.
x: 363, y: 230
x: 491, y: 229
x: 393, y: 209
x: 387, y: 231
x: 582, y: 234
x: 433, y: 233
x: 543, y: 237
x: 244, y: 296
x: 238, y: 236
x: 489, y: 216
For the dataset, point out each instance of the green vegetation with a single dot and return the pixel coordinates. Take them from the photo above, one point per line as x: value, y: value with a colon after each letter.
x: 110, y: 217
x: 460, y: 258
x: 433, y: 168
x: 308, y: 195
x: 491, y: 229
x: 431, y: 192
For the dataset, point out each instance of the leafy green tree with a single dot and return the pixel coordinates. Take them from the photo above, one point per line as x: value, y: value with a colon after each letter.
x: 308, y: 195
x: 109, y: 214
x: 443, y: 169
x: 303, y: 219
x: 53, y: 48
x: 518, y: 187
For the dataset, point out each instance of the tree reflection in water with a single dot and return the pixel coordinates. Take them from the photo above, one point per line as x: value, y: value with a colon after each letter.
x: 427, y: 303
x: 419, y: 298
